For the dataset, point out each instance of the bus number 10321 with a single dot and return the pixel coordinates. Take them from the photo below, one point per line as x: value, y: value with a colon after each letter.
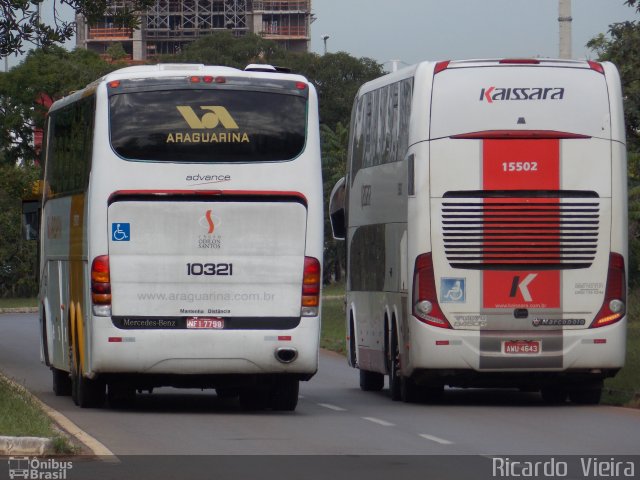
x: 210, y: 269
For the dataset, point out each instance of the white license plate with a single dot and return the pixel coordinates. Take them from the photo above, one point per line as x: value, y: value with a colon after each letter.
x: 205, y: 323
x: 521, y: 347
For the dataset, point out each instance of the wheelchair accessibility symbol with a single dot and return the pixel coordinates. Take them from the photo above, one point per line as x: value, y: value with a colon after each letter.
x: 453, y: 290
x: 121, y: 232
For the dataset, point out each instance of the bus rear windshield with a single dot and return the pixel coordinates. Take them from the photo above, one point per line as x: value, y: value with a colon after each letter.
x: 207, y: 126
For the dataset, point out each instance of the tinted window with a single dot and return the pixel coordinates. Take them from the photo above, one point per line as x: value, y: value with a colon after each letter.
x: 208, y: 125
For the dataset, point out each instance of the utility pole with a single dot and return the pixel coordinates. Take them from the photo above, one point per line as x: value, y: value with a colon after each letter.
x: 564, y: 19
x: 325, y: 38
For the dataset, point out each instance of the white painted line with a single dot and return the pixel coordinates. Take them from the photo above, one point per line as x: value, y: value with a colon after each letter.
x: 384, y: 423
x: 332, y: 407
x: 436, y: 439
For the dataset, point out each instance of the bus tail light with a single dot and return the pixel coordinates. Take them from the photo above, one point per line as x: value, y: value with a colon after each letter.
x: 614, y: 306
x: 311, y: 287
x: 425, y: 298
x: 101, y: 286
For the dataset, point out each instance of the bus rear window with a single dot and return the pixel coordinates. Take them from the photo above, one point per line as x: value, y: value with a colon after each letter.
x: 207, y: 126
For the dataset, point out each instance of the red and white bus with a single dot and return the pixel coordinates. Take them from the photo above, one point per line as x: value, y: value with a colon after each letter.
x: 485, y: 214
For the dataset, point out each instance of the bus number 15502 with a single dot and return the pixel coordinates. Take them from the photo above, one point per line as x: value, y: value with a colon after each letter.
x: 210, y: 269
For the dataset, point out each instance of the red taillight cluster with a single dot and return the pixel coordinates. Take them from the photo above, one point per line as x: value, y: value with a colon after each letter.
x: 614, y: 306
x: 208, y: 79
x: 425, y: 298
x: 311, y: 287
x: 100, y: 283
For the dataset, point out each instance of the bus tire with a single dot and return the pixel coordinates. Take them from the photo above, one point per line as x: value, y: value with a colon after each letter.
x: 254, y: 398
x: 121, y: 396
x: 586, y: 395
x: 61, y: 382
x: 395, y: 380
x: 554, y: 395
x: 284, y: 396
x: 371, y: 381
x: 85, y: 392
x: 409, y: 391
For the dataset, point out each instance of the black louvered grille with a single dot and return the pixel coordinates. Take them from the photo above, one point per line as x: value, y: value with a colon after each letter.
x: 520, y: 233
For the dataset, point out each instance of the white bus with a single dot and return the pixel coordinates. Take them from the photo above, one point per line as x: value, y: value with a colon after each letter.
x: 182, y: 235
x: 486, y: 227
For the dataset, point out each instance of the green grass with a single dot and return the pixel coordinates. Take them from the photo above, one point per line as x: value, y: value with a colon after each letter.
x: 22, y: 417
x: 620, y: 390
x: 18, y: 302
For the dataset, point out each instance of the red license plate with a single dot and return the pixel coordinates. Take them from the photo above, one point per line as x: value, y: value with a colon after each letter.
x: 206, y: 323
x: 530, y: 347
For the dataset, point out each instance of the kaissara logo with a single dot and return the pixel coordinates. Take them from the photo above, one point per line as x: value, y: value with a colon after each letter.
x: 211, y: 223
x: 494, y: 94
x: 213, y: 117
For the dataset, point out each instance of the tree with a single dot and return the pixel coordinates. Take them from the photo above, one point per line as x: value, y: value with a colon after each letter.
x: 622, y: 47
x: 50, y: 73
x: 20, y: 20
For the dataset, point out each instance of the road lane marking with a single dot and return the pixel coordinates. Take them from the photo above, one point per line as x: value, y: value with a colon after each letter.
x: 332, y: 407
x: 384, y: 423
x: 436, y: 439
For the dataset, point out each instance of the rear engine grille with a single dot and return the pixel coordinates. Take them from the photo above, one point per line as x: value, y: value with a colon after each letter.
x: 507, y: 233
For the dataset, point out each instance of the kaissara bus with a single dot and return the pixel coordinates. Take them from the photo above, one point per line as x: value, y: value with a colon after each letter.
x: 485, y: 214
x: 181, y: 235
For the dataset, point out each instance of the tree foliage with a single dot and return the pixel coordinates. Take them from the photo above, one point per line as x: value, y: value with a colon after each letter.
x: 51, y: 73
x: 621, y: 45
x: 21, y: 22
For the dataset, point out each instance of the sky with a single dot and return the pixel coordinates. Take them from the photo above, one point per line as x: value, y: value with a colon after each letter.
x: 414, y: 30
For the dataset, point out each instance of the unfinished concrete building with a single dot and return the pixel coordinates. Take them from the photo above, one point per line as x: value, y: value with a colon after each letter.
x: 170, y: 24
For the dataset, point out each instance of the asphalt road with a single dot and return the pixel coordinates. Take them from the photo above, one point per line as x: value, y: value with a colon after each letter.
x: 333, y: 417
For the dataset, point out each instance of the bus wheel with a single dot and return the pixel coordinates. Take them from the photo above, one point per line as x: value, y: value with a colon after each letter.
x: 121, y: 395
x: 586, y: 395
x: 410, y: 392
x: 284, y: 396
x: 254, y: 398
x: 554, y: 395
x: 395, y: 381
x: 371, y: 381
x: 61, y: 382
x: 85, y: 392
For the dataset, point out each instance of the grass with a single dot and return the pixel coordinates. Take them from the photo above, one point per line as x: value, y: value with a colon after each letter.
x: 18, y: 302
x: 620, y: 390
x: 22, y: 417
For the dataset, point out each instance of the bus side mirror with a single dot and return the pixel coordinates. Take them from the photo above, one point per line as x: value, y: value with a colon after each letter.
x: 30, y: 219
x: 337, y: 210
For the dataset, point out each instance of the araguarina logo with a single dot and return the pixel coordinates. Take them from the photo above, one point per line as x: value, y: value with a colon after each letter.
x: 493, y: 94
x: 215, y: 116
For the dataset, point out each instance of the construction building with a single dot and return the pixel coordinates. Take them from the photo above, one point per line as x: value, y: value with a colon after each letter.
x: 170, y: 24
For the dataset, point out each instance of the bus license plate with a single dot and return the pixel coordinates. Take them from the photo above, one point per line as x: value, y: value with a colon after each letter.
x: 205, y: 323
x: 521, y: 347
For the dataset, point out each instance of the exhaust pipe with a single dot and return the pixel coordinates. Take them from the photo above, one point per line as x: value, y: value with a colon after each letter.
x: 286, y: 354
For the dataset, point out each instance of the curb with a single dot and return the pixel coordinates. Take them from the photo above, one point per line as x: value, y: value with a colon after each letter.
x: 44, y: 446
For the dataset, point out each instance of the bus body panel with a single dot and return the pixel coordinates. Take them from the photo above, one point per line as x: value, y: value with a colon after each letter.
x: 280, y: 198
x: 526, y: 165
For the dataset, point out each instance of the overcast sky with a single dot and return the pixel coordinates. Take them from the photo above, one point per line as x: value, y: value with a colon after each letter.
x: 415, y: 30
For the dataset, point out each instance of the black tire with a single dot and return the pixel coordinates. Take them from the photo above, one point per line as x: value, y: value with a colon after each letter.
x: 61, y: 382
x: 85, y: 392
x: 254, y: 398
x: 121, y: 396
x: 371, y: 381
x: 395, y: 380
x: 554, y: 395
x: 587, y: 395
x: 284, y: 395
x: 432, y: 393
x: 410, y: 392
x: 353, y: 359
